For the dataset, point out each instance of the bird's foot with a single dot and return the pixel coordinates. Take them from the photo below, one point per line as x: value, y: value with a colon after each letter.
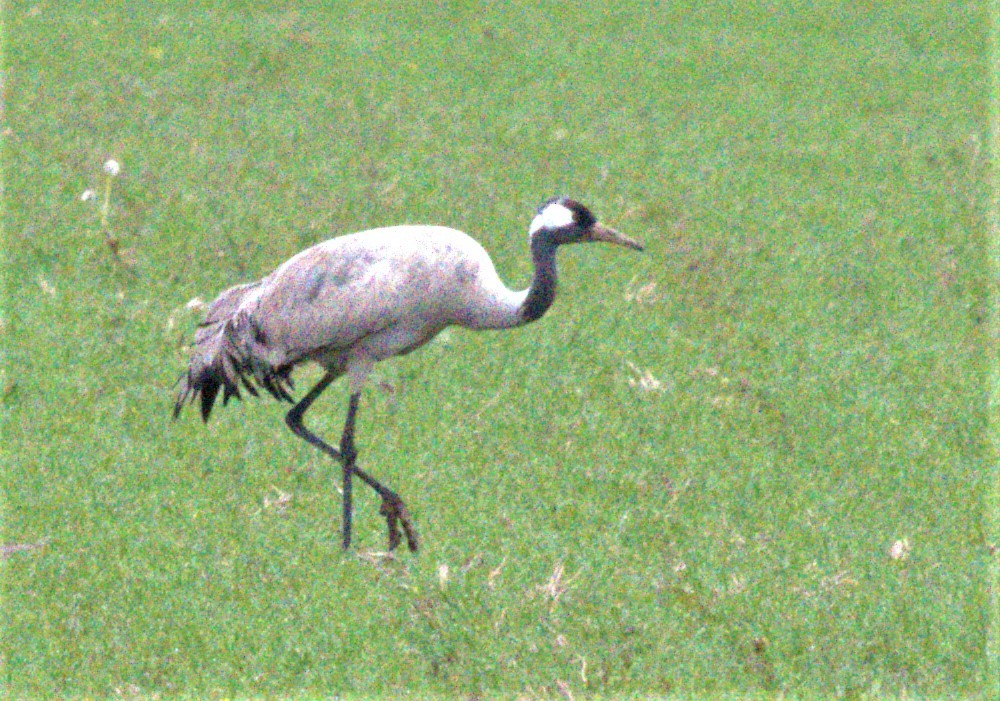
x: 395, y: 513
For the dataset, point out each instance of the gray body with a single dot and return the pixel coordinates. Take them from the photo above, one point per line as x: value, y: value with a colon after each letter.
x: 352, y: 301
x: 377, y: 294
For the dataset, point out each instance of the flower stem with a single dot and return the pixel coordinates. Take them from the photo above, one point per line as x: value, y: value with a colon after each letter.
x: 109, y: 238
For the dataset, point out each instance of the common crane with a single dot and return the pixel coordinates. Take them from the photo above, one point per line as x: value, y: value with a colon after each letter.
x: 357, y: 299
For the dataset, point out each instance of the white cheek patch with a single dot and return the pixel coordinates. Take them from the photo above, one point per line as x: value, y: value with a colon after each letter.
x: 552, y: 217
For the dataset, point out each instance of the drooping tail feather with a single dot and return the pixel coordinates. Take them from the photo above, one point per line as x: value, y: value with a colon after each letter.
x: 230, y: 351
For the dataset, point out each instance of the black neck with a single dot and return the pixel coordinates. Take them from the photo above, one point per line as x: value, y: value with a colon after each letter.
x: 543, y: 286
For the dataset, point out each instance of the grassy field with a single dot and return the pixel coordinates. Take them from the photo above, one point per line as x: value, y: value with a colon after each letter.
x: 749, y: 463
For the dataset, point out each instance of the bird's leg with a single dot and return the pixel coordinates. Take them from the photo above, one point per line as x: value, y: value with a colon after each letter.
x: 294, y: 418
x: 393, y: 507
x: 346, y: 455
x: 349, y: 455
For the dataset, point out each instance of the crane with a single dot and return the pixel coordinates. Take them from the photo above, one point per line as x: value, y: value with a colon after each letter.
x: 354, y: 300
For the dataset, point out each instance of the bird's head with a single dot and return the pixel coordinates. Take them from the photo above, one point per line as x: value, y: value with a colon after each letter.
x: 562, y: 220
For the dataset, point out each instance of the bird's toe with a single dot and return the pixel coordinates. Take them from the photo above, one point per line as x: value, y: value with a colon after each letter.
x: 395, y: 513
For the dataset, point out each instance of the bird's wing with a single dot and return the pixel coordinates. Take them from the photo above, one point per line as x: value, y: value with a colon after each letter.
x: 328, y: 298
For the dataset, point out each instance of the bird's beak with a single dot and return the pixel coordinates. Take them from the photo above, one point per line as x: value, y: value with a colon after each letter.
x: 599, y: 232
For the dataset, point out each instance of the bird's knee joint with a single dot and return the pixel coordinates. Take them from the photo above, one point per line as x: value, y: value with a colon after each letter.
x: 348, y: 453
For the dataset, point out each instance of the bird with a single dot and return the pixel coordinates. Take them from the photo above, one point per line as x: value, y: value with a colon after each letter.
x: 357, y: 299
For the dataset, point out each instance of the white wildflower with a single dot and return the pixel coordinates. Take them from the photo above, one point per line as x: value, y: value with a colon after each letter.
x: 900, y: 550
x: 47, y: 287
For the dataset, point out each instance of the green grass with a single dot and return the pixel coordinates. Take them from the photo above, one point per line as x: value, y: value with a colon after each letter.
x: 810, y: 319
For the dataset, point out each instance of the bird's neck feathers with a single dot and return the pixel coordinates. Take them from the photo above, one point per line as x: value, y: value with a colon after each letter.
x: 542, y: 292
